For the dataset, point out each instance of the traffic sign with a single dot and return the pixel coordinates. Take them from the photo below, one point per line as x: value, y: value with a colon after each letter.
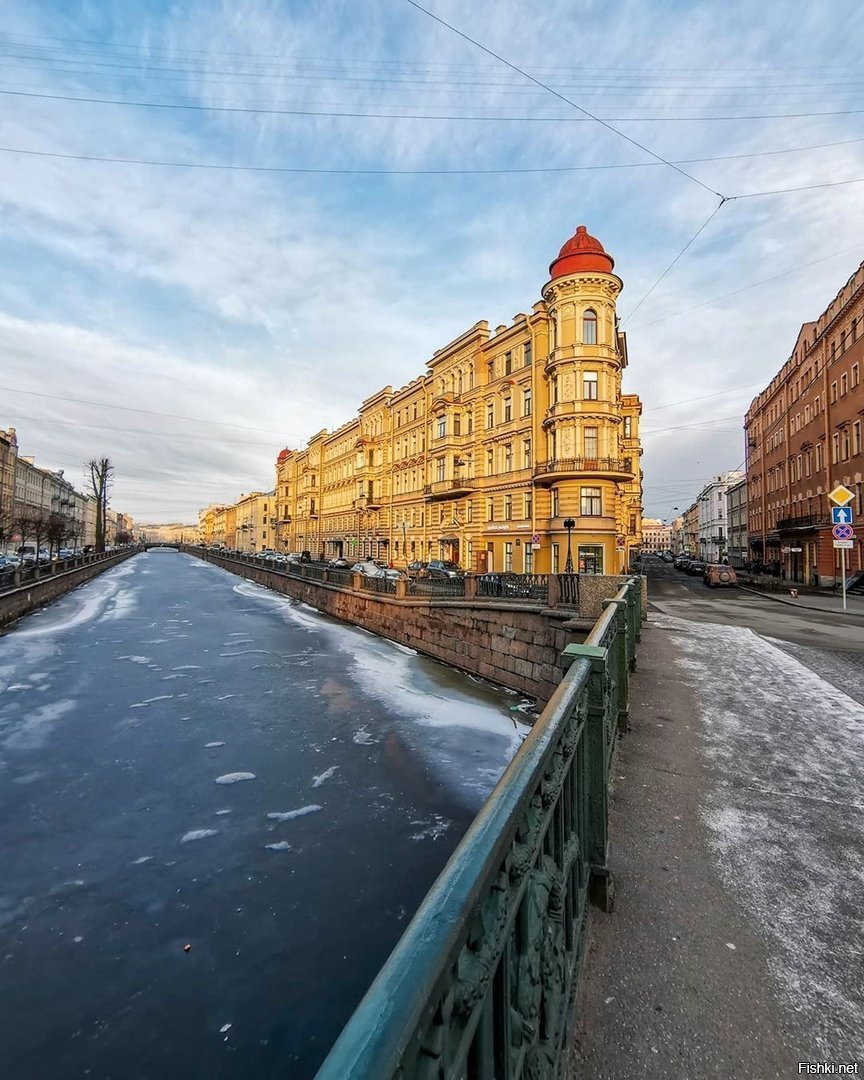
x: 841, y: 495
x: 844, y: 543
x: 841, y: 515
x: 535, y: 539
x: 843, y: 532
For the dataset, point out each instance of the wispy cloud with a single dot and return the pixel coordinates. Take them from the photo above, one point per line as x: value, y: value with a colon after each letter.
x: 279, y: 302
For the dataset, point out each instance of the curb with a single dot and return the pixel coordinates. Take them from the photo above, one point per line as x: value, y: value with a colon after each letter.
x: 795, y: 604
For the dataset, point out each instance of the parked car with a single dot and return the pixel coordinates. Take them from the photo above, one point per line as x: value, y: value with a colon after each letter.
x: 442, y: 570
x: 415, y: 569
x: 339, y: 563
x: 694, y: 567
x: 719, y: 576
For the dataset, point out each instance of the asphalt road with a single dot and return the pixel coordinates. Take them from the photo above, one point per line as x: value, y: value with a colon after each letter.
x: 829, y: 644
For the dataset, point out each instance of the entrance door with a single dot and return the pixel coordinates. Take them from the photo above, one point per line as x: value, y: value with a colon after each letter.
x: 490, y: 557
x: 480, y: 562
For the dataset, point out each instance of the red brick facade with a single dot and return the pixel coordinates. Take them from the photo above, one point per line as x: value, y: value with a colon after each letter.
x: 804, y: 436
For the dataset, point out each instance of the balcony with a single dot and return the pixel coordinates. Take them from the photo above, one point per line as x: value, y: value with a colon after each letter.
x: 801, y: 524
x: 618, y: 469
x: 448, y: 489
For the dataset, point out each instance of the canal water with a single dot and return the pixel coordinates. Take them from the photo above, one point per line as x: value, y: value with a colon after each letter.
x: 218, y: 811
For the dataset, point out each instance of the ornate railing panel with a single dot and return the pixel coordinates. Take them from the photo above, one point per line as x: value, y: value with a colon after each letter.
x: 481, y: 982
x: 436, y: 586
x: 514, y: 586
x: 568, y: 590
x: 378, y: 584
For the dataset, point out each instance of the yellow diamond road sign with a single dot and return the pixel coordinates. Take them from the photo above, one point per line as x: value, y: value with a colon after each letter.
x: 841, y: 495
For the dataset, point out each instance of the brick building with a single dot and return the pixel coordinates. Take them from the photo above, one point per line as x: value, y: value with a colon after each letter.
x: 803, y: 434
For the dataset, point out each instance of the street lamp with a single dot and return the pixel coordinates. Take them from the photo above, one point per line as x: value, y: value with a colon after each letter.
x: 569, y: 525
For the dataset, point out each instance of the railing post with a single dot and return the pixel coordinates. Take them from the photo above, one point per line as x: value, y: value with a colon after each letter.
x: 356, y: 582
x: 402, y: 588
x: 470, y: 587
x: 554, y: 595
x: 621, y: 660
x: 595, y: 778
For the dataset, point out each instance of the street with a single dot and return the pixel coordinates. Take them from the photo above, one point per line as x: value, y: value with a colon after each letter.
x: 829, y: 643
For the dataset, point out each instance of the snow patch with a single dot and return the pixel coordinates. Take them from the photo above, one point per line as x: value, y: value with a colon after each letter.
x: 281, y: 845
x: 212, y: 745
x: 289, y: 815
x: 317, y: 781
x: 197, y: 834
x: 31, y: 732
x: 235, y: 777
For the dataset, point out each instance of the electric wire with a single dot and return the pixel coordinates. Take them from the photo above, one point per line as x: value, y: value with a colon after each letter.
x: 562, y: 97
x: 303, y: 169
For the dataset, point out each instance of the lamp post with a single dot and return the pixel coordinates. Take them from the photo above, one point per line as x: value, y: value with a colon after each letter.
x: 569, y: 525
x: 405, y: 541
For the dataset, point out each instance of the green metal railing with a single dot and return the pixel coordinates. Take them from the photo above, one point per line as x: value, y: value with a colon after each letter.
x: 480, y: 985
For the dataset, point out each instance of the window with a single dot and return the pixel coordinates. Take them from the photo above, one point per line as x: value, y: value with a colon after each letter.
x: 856, y: 437
x: 526, y: 402
x: 528, y: 557
x: 845, y: 444
x: 442, y: 426
x: 490, y: 370
x: 589, y: 385
x: 528, y: 354
x: 490, y: 415
x: 555, y: 506
x: 591, y: 502
x: 508, y: 363
x: 490, y: 510
x: 529, y: 501
x: 508, y: 507
x: 469, y: 511
x: 508, y: 557
x: 508, y: 410
x: 589, y: 327
x: 835, y: 448
x: 856, y: 378
x: 508, y: 457
x: 628, y: 427
x: 526, y: 454
x: 833, y: 392
x: 632, y: 525
x: 589, y: 441
x: 490, y: 462
x: 415, y: 410
x: 844, y: 384
x: 440, y: 466
x: 553, y: 331
x: 457, y: 424
x: 556, y: 557
x: 553, y: 392
x: 470, y: 423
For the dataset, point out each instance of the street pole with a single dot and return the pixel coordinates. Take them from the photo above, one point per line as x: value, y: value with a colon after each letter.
x: 568, y: 525
x: 843, y: 570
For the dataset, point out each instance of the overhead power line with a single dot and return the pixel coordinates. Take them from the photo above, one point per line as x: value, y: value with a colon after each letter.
x: 304, y: 169
x: 348, y: 114
x: 561, y: 97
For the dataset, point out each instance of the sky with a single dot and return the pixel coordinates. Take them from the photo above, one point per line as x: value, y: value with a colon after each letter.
x: 189, y: 322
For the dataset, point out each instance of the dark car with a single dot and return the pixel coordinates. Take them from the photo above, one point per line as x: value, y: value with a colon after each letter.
x: 415, y: 569
x: 442, y: 570
x: 694, y: 567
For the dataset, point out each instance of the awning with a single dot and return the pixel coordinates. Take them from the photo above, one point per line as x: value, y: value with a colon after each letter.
x: 448, y: 539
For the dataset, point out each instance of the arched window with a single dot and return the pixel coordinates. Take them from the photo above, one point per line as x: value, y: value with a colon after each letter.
x: 589, y: 327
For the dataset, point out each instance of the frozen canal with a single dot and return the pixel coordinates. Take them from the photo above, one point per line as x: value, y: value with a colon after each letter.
x: 187, y: 759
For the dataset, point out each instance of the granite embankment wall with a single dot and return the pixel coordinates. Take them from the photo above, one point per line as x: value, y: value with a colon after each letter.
x: 517, y: 645
x: 53, y: 582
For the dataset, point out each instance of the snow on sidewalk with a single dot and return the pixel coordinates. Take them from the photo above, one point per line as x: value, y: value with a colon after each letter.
x: 786, y: 816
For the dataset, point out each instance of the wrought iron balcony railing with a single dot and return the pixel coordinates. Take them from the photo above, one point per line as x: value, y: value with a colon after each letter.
x: 585, y: 464
x: 443, y: 488
x: 805, y: 521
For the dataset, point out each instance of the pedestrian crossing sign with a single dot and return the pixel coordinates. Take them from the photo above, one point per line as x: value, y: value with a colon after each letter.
x: 841, y: 495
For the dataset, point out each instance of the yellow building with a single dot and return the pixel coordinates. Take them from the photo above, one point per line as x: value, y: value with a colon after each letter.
x: 507, y: 436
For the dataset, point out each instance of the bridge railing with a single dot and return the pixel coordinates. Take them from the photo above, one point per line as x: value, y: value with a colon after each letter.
x: 480, y: 984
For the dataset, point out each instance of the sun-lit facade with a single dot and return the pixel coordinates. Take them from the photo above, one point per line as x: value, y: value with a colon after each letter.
x: 508, y: 435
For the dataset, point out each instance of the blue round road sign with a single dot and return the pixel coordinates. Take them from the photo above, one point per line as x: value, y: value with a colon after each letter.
x: 843, y: 532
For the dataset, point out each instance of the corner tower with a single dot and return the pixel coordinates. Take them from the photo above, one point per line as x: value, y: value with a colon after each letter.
x: 590, y: 463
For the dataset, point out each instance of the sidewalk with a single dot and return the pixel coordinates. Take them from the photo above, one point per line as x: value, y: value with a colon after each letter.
x: 736, y: 844
x: 815, y: 602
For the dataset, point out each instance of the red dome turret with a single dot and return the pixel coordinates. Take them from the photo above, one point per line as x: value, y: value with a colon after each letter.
x: 282, y: 455
x: 581, y: 252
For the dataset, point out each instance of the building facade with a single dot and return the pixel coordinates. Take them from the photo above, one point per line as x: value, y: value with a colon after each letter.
x: 656, y: 536
x: 736, y: 515
x: 803, y: 437
x: 482, y: 459
x: 713, y: 517
x: 8, y: 462
x: 256, y: 517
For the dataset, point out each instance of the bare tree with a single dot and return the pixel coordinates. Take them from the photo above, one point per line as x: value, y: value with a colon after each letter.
x: 32, y: 524
x: 59, y: 529
x: 101, y: 472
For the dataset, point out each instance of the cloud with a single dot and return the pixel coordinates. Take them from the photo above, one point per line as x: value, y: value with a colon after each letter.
x: 279, y: 302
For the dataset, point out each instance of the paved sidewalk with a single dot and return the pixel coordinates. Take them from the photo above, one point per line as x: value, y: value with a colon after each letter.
x: 828, y: 602
x: 735, y: 945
